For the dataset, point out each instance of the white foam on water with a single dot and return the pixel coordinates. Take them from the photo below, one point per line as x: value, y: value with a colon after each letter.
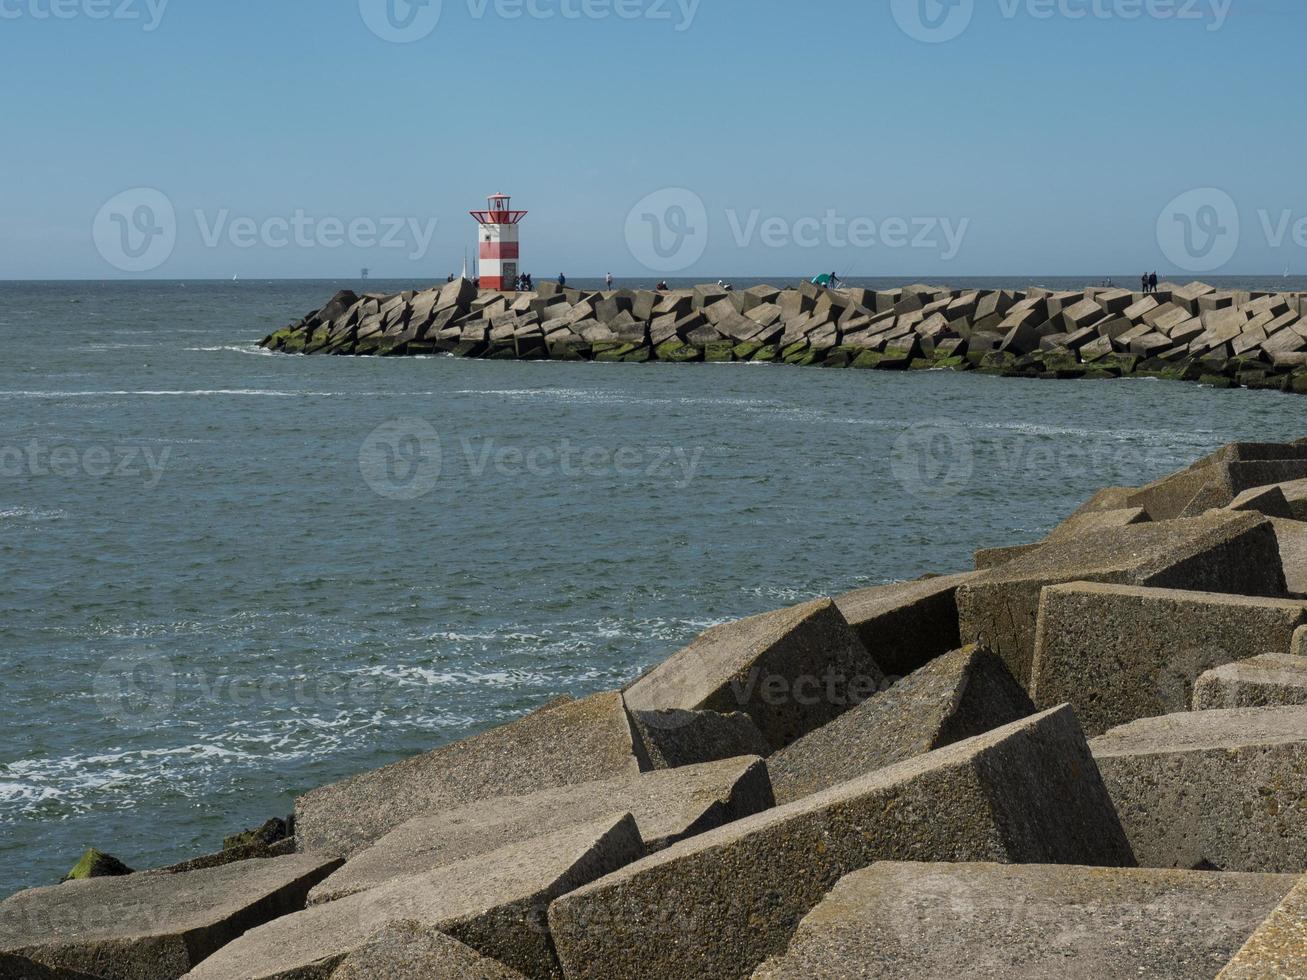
x: 228, y: 348
x: 31, y: 514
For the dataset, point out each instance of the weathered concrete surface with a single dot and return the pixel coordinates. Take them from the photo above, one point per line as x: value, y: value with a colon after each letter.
x: 1117, y: 652
x: 1218, y: 552
x: 1212, y: 789
x: 1278, y: 949
x: 791, y: 671
x: 988, y: 558
x: 1272, y: 680
x: 1291, y: 536
x: 898, y: 921
x: 906, y: 625
x: 668, y: 806
x: 960, y: 695
x: 1090, y: 522
x: 412, y: 951
x: 719, y: 904
x: 672, y: 738
x: 146, y: 926
x: 494, y: 903
x: 565, y: 742
x: 20, y: 968
x: 1263, y: 500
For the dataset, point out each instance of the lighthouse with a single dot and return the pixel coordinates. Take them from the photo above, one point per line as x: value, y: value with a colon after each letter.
x: 499, y: 245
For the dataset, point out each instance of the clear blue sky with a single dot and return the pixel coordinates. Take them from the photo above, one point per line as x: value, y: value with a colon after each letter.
x: 1049, y: 144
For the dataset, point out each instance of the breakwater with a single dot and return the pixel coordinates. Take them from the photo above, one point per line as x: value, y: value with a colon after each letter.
x: 1193, y: 332
x: 1091, y: 749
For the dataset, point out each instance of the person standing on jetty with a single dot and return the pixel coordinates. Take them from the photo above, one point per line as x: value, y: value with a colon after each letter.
x: 562, y: 279
x: 1144, y: 279
x: 1152, y: 282
x: 608, y: 280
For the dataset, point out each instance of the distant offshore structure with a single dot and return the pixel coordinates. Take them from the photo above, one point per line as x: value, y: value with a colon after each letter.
x: 1194, y: 332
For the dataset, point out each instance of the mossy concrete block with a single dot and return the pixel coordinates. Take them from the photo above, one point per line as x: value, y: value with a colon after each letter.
x: 672, y: 738
x: 906, y: 625
x: 1271, y: 680
x: 868, y: 359
x: 565, y: 742
x: 957, y: 696
x: 791, y: 671
x: 609, y: 351
x: 1278, y: 948
x: 153, y: 925
x: 1117, y: 653
x: 97, y: 864
x: 668, y: 806
x: 719, y: 904
x: 916, y: 921
x: 767, y: 352
x: 1218, y: 552
x: 1210, y: 790
x: 409, y: 950
x: 677, y: 352
x: 494, y: 904
x: 746, y: 350
x: 718, y: 352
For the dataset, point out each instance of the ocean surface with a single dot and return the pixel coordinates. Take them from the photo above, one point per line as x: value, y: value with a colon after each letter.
x: 231, y: 576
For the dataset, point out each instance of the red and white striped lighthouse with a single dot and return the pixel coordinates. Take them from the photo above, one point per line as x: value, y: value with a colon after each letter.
x: 500, y: 247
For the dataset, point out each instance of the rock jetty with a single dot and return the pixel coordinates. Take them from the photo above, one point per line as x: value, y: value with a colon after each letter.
x: 1084, y: 757
x: 1194, y: 332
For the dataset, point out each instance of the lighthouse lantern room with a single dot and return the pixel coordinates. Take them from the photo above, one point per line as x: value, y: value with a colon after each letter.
x: 499, y: 245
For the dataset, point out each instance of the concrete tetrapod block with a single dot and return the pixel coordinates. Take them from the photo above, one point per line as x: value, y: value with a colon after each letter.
x: 153, y: 926
x: 1117, y: 653
x: 899, y: 921
x: 1272, y: 680
x: 564, y: 742
x: 1212, y: 789
x: 411, y: 951
x: 960, y: 695
x: 494, y: 903
x: 1291, y: 536
x: 1090, y: 522
x: 671, y: 738
x: 1220, y: 552
x: 1263, y: 500
x: 906, y: 625
x: 719, y: 904
x: 21, y: 968
x: 668, y: 806
x: 1278, y: 949
x: 791, y: 671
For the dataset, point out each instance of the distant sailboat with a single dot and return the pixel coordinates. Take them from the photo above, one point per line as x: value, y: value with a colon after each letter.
x: 235, y: 277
